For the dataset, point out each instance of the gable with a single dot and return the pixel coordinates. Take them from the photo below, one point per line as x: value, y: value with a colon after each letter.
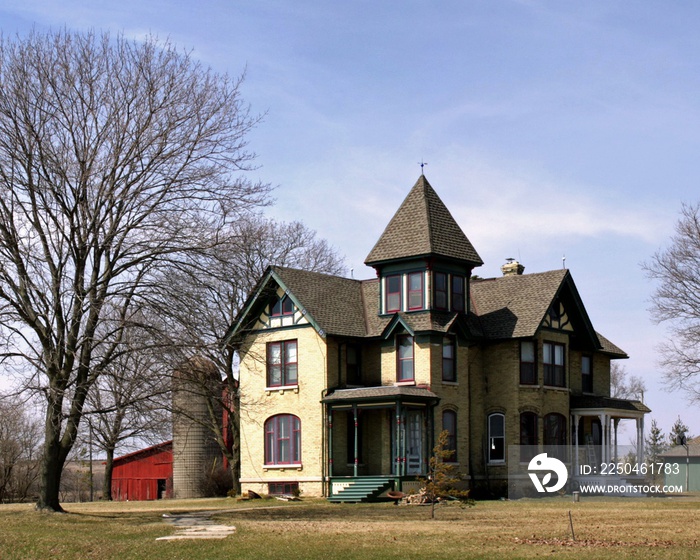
x: 331, y: 304
x: 518, y: 306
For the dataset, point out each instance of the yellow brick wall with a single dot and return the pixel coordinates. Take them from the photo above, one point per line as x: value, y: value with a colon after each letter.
x: 258, y: 403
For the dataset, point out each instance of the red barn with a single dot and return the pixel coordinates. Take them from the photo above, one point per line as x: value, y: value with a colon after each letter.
x: 144, y: 475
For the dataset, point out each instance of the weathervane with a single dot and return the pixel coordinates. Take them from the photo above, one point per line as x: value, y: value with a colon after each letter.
x: 422, y: 165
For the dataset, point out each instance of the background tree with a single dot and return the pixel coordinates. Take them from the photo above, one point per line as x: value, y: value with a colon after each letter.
x: 623, y: 386
x: 654, y: 445
x: 676, y: 302
x: 129, y: 403
x: 678, y: 431
x: 20, y: 443
x: 200, y: 308
x: 116, y: 161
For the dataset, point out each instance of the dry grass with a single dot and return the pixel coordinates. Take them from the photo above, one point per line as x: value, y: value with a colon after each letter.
x: 604, y: 528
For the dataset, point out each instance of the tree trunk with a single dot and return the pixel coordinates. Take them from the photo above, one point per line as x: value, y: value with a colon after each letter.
x: 52, y: 463
x: 109, y: 467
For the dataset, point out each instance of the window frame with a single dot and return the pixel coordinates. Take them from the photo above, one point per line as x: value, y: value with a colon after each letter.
x: 396, y: 294
x: 493, y: 439
x: 587, y: 376
x: 554, y: 372
x: 283, y: 307
x: 528, y: 369
x: 528, y: 433
x: 450, y: 342
x: 402, y: 361
x: 457, y: 297
x: 353, y: 371
x: 441, y: 291
x: 274, y: 436
x: 555, y: 443
x: 412, y: 291
x: 288, y: 487
x: 285, y: 366
x: 452, y: 434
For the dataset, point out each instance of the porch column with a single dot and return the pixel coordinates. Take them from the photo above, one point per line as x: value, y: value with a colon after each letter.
x: 357, y: 460
x: 397, y: 441
x: 330, y: 441
x: 604, y: 437
x: 575, y: 436
x: 640, y: 440
x: 616, y: 423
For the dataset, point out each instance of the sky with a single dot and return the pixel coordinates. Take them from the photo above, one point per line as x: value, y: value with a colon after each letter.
x: 558, y: 133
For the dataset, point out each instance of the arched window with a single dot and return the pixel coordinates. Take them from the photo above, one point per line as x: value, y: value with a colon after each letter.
x: 555, y: 435
x: 528, y: 435
x: 449, y: 424
x: 283, y: 440
x: 497, y: 438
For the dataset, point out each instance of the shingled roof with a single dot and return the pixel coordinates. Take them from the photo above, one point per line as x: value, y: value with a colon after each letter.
x: 334, y: 302
x: 513, y: 306
x: 423, y: 226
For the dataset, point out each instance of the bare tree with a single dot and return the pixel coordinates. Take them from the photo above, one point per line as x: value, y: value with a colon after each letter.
x: 116, y: 160
x: 624, y: 387
x: 20, y: 441
x: 129, y: 402
x: 676, y: 301
x: 207, y: 305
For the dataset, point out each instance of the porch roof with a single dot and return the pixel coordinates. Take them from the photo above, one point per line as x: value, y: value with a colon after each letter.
x: 396, y: 393
x: 592, y: 404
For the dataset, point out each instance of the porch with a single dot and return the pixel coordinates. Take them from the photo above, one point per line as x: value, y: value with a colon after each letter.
x: 376, y: 439
x: 595, y: 422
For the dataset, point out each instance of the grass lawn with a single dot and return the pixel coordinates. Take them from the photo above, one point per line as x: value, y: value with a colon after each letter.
x: 604, y: 528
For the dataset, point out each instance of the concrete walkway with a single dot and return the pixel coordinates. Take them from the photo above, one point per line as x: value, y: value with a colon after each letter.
x: 196, y: 526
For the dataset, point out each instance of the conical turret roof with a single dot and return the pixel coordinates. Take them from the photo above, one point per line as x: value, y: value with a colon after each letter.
x: 423, y: 226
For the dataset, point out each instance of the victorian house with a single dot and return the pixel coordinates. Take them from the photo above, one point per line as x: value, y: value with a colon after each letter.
x: 345, y: 384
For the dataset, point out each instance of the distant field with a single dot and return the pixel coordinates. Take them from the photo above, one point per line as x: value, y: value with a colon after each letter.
x: 604, y: 528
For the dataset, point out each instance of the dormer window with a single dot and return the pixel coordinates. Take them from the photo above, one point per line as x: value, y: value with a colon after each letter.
x: 393, y: 293
x: 283, y: 306
x: 415, y: 291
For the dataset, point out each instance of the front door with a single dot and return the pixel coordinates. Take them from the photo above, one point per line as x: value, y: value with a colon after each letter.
x: 414, y: 443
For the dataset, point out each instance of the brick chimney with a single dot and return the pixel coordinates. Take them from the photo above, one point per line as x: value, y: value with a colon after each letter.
x: 512, y: 268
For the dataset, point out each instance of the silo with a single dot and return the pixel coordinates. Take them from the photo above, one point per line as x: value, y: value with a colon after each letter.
x: 196, y: 453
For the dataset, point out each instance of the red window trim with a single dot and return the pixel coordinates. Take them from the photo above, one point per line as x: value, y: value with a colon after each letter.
x: 400, y: 361
x: 272, y: 440
x: 284, y: 364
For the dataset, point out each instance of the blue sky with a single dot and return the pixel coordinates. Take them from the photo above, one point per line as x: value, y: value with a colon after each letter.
x: 550, y: 129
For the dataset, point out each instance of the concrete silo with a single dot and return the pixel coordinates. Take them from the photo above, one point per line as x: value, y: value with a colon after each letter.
x: 196, y: 403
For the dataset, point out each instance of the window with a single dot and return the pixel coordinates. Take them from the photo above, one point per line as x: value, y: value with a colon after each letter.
x: 282, y: 488
x: 282, y: 363
x: 553, y: 364
x: 449, y: 372
x: 415, y: 291
x: 393, y: 294
x: 283, y: 306
x: 555, y: 435
x: 457, y: 293
x: 350, y: 439
x: 449, y: 424
x: 528, y: 435
x: 283, y: 440
x: 528, y: 370
x: 405, y: 357
x: 440, y: 290
x: 497, y: 438
x: 352, y: 365
x: 586, y: 374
